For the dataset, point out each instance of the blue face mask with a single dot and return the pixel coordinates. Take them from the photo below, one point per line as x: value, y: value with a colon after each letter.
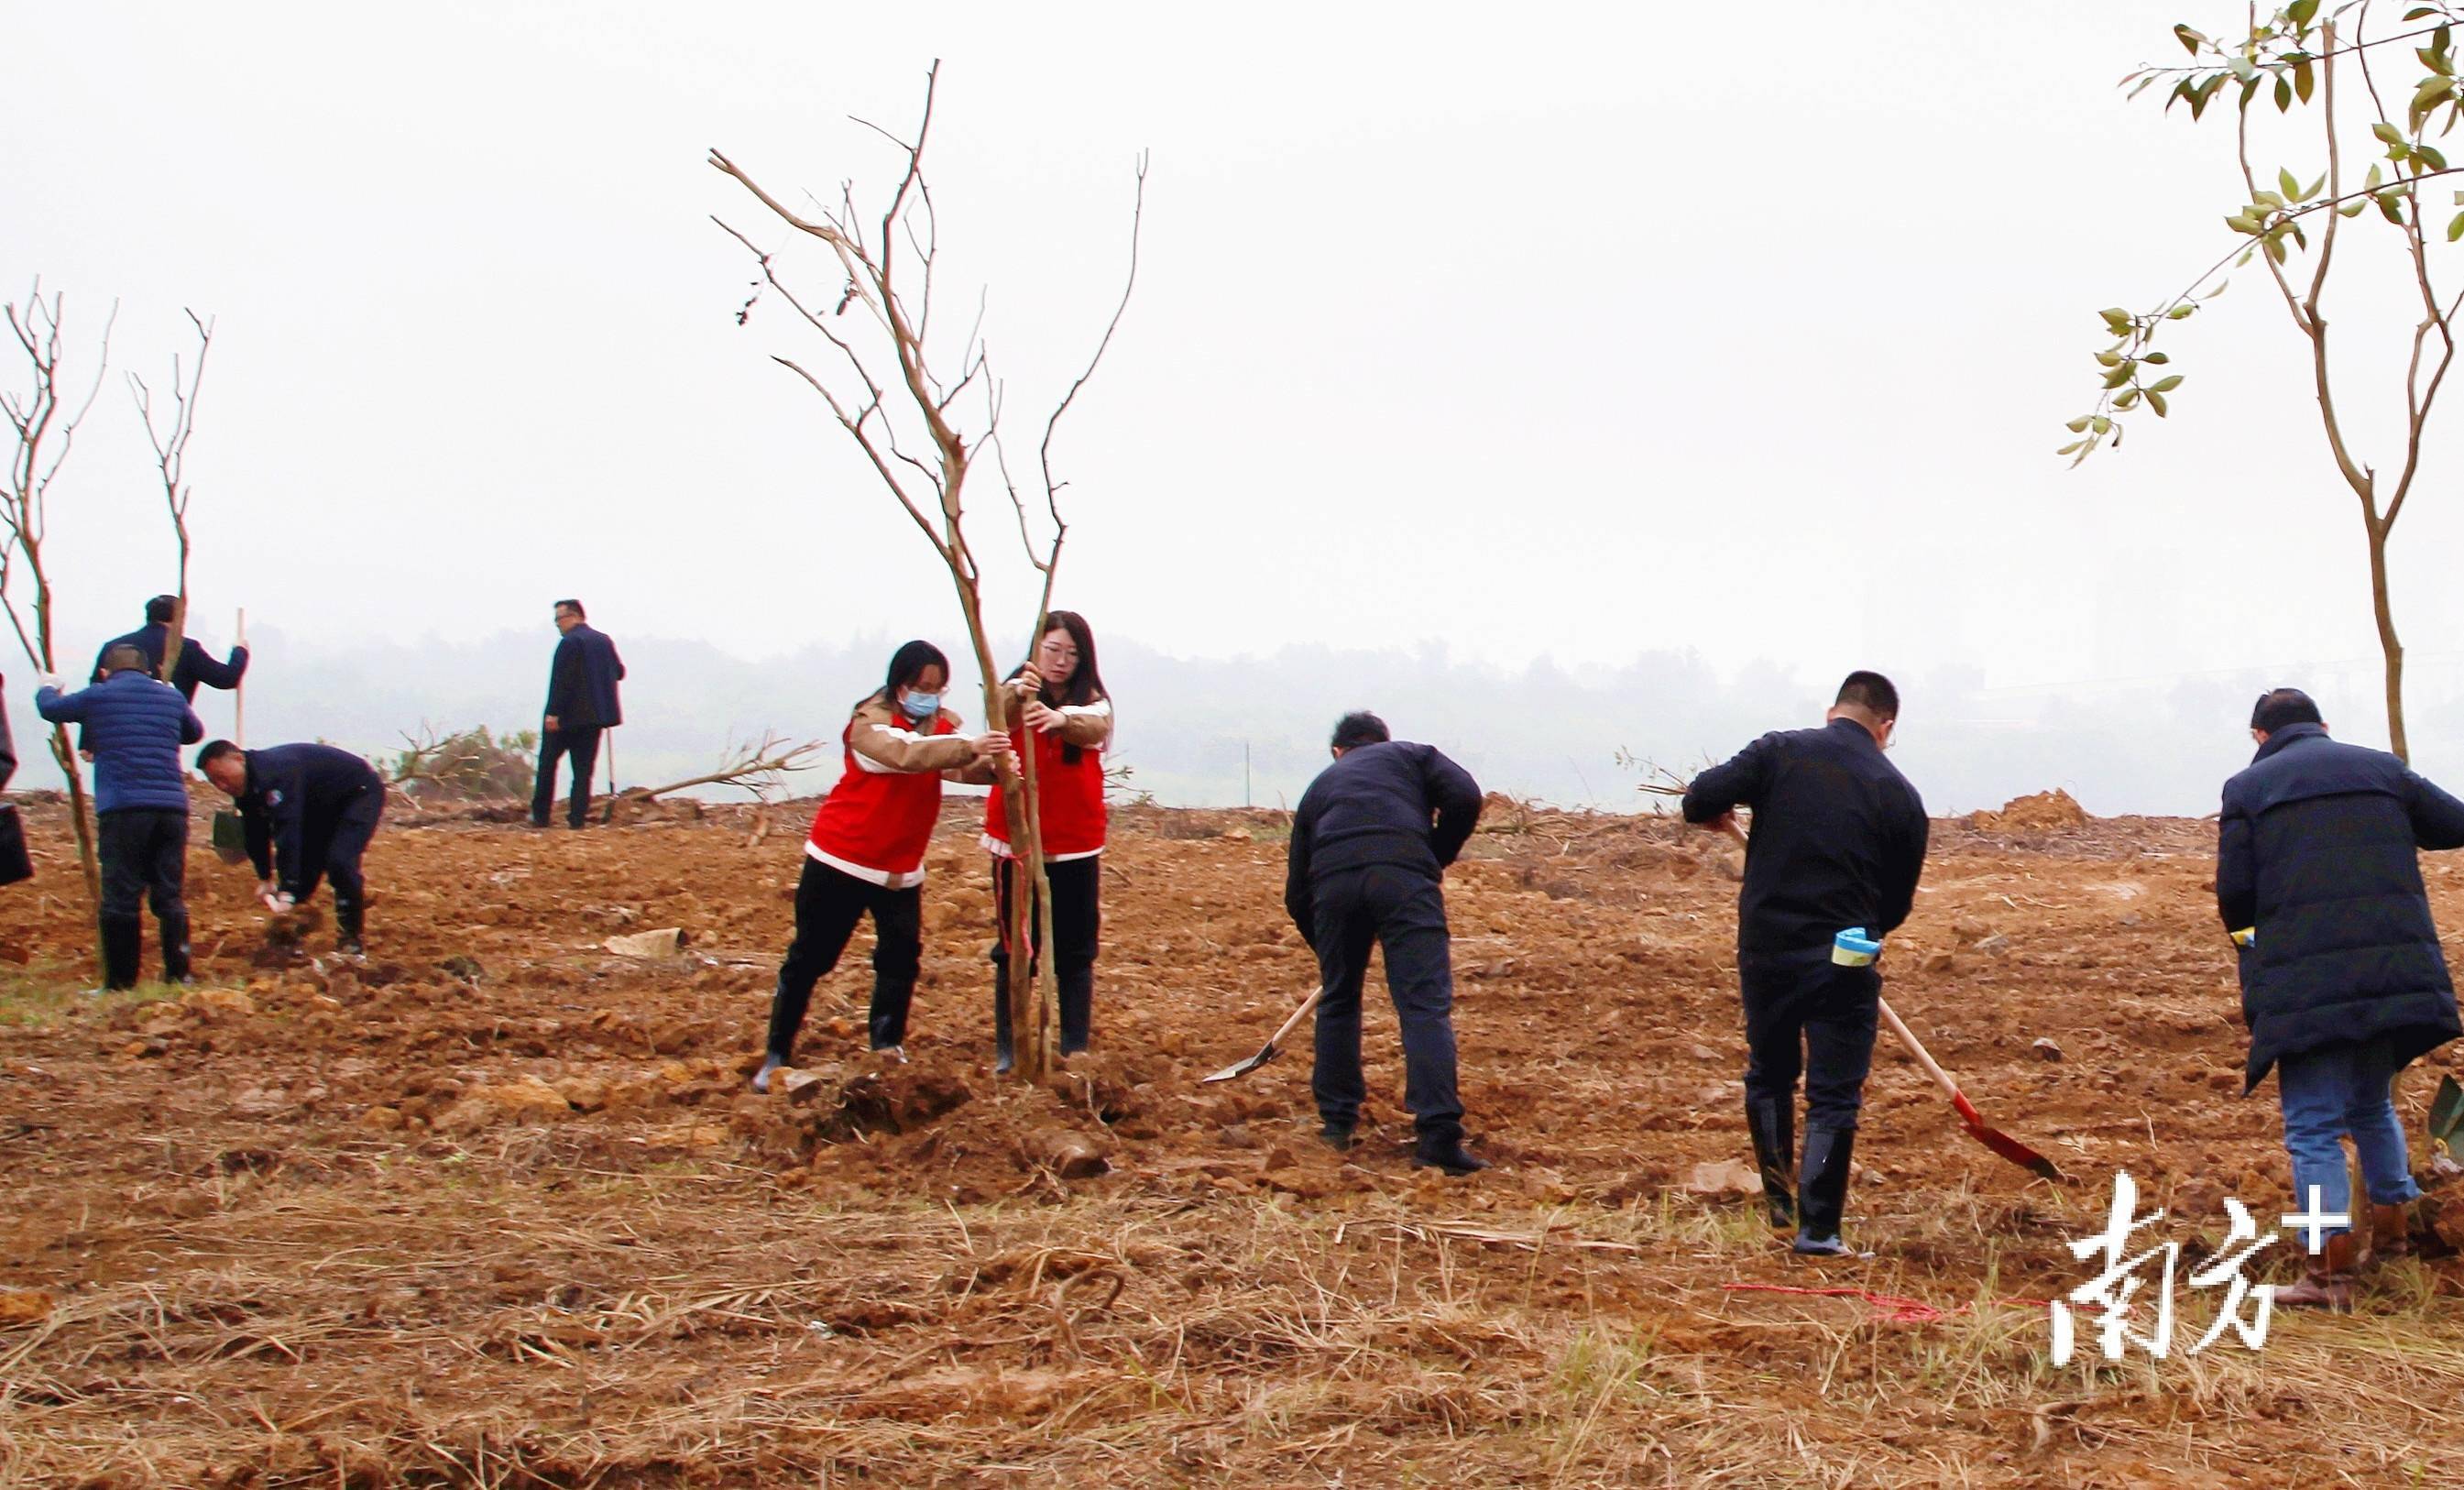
x: 919, y: 706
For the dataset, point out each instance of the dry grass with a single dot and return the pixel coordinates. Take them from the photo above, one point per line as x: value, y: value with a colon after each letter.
x: 552, y: 1310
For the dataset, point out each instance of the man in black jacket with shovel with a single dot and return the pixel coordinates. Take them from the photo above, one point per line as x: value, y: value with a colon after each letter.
x: 2344, y: 980
x: 1370, y: 842
x: 1838, y: 843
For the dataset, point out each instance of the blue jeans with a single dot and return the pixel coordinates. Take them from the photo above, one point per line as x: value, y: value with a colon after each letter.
x: 2332, y: 1092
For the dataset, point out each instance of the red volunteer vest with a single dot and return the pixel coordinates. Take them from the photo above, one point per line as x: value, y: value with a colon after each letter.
x: 877, y: 819
x: 1072, y: 798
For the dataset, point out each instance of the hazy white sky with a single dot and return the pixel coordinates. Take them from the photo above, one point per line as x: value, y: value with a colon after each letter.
x: 1560, y: 332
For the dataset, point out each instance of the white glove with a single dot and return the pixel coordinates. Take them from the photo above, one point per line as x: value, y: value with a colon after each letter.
x: 278, y: 902
x: 50, y: 680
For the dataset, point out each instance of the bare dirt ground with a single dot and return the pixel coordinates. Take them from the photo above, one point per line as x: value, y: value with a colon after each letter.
x: 494, y: 1209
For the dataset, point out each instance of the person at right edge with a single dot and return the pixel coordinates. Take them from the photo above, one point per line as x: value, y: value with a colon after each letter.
x: 1838, y: 842
x: 2344, y: 984
x: 581, y: 705
x: 1370, y: 842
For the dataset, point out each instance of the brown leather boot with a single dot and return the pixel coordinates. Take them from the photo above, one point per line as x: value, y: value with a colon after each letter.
x: 2391, y: 1233
x: 2329, y: 1283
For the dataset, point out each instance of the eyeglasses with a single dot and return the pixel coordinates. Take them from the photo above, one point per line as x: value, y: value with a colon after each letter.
x: 1059, y: 651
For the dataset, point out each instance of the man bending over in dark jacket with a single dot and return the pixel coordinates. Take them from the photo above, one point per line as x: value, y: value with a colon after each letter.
x: 1371, y: 840
x: 135, y: 725
x: 1838, y: 842
x: 309, y: 811
x: 2344, y: 982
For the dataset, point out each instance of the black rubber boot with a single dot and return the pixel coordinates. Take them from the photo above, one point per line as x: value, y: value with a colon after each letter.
x: 1336, y: 1135
x: 349, y: 912
x: 1771, y: 1121
x: 1077, y: 1009
x: 786, y: 1019
x: 1443, y: 1149
x: 123, y: 939
x: 1822, y: 1191
x: 175, y: 948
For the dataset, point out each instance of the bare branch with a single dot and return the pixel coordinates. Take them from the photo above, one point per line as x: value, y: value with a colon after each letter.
x: 753, y: 768
x: 1138, y: 219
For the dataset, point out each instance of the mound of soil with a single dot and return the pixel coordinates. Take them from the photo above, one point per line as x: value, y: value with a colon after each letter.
x: 2043, y: 812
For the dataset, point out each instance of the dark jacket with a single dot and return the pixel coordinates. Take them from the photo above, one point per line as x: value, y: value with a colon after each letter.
x: 196, y: 665
x: 8, y: 745
x: 2318, y: 849
x: 135, y: 725
x: 289, y: 788
x: 582, y: 681
x: 1393, y: 803
x: 1838, y: 840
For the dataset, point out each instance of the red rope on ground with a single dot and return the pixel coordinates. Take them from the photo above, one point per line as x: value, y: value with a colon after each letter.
x: 1891, y: 1307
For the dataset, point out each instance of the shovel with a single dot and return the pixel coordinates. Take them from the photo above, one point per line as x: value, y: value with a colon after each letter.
x: 1273, y: 1046
x: 1978, y: 1128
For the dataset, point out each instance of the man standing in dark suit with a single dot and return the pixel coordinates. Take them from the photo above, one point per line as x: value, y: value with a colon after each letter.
x: 1838, y: 842
x: 1370, y: 842
x: 195, y: 666
x: 581, y: 702
x: 2344, y: 980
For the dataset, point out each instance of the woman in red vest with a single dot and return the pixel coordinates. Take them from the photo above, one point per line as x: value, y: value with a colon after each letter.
x: 867, y: 849
x: 1070, y: 717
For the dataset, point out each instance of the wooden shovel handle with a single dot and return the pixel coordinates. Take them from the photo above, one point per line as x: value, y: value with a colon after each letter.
x: 1298, y: 1014
x: 1916, y: 1049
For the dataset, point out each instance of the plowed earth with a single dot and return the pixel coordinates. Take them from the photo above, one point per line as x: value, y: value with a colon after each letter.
x: 494, y: 1208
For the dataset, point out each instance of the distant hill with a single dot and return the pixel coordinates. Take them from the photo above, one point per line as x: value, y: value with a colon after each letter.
x: 1212, y: 731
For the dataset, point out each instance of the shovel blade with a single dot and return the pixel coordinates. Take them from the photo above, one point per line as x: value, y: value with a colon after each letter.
x: 2014, y: 1151
x: 1266, y: 1053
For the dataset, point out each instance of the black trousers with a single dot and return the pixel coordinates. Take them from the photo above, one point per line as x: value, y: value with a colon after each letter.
x: 828, y: 903
x: 1807, y: 1015
x: 144, y: 857
x: 1077, y: 934
x: 1404, y: 912
x: 582, y: 746
x: 331, y: 844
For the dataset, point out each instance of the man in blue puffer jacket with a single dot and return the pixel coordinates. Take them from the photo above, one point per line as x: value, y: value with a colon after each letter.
x: 2345, y: 983
x: 135, y: 724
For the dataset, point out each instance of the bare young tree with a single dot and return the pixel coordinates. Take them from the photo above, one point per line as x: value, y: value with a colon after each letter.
x: 171, y: 459
x: 44, y: 439
x: 2291, y: 56
x: 889, y: 275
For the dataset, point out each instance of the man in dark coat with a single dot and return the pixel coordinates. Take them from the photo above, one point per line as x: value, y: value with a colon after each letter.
x: 1371, y: 840
x: 1838, y: 843
x: 581, y: 703
x: 135, y: 724
x: 196, y: 665
x: 309, y: 812
x: 2317, y: 872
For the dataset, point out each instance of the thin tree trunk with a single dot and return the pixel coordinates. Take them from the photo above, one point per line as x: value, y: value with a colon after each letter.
x: 175, y: 636
x: 1023, y: 990
x: 2393, y: 650
x: 66, y: 755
